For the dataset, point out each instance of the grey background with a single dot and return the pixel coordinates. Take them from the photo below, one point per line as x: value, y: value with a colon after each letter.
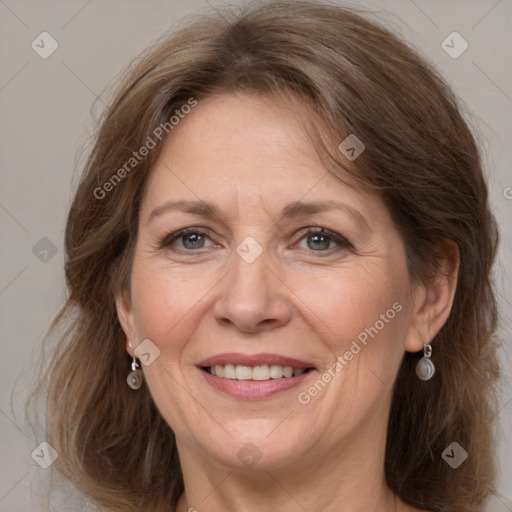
x: 48, y: 109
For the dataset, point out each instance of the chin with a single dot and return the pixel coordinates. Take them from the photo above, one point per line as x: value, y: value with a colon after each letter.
x: 257, y: 445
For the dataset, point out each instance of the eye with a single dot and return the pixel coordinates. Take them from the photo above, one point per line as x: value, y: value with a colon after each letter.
x: 188, y: 239
x: 322, y: 240
x: 193, y: 239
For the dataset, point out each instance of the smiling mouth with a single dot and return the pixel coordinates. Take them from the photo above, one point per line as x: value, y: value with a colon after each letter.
x: 262, y: 372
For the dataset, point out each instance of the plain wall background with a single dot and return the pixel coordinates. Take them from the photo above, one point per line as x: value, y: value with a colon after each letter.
x: 48, y: 108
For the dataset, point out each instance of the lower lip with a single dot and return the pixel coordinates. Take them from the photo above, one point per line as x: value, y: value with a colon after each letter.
x: 254, y: 389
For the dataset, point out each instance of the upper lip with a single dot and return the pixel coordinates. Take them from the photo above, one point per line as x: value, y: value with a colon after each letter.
x: 253, y: 360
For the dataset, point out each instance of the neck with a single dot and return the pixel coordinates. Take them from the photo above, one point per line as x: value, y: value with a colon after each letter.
x: 347, y: 479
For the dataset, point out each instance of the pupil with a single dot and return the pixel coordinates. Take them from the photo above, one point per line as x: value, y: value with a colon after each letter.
x: 194, y: 239
x: 324, y: 242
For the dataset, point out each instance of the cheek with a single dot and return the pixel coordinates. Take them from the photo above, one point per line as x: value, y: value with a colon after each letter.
x: 170, y: 303
x: 348, y: 304
x: 365, y: 320
x: 162, y: 303
x: 364, y: 316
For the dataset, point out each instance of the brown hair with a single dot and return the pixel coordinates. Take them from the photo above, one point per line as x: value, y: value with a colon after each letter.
x: 421, y: 158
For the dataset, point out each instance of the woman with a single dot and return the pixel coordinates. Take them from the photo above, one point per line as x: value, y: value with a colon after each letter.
x: 279, y: 264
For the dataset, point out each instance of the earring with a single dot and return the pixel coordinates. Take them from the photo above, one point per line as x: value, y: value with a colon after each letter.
x: 425, y: 368
x: 134, y: 378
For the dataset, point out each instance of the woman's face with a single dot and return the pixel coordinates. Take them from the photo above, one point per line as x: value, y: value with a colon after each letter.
x: 254, y: 288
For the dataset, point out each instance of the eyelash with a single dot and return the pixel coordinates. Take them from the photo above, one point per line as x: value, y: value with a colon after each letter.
x: 342, y: 242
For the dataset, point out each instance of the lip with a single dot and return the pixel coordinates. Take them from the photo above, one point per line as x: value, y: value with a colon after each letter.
x: 250, y: 389
x: 253, y: 389
x: 254, y: 360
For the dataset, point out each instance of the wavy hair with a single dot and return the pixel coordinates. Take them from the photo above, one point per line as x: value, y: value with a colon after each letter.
x: 421, y: 157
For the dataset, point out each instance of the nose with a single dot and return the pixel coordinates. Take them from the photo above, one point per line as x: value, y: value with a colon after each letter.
x: 254, y: 298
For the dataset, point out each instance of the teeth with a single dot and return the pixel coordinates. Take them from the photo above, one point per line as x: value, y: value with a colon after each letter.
x: 243, y: 372
x: 260, y: 372
x: 229, y: 372
x: 276, y: 371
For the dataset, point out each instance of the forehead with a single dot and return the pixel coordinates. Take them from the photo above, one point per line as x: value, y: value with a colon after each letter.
x: 238, y: 133
x: 249, y: 149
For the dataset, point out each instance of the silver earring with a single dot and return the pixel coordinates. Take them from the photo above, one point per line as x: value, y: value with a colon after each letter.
x: 134, y: 378
x: 425, y: 368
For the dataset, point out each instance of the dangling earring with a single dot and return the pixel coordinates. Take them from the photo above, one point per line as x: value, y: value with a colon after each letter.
x: 134, y: 378
x: 425, y: 368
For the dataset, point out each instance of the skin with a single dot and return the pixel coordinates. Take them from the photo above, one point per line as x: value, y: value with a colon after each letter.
x: 250, y: 157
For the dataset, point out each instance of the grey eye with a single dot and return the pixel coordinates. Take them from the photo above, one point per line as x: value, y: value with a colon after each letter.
x: 318, y: 241
x: 193, y: 241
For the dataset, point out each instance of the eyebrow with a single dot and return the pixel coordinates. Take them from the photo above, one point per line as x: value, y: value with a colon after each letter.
x: 291, y: 210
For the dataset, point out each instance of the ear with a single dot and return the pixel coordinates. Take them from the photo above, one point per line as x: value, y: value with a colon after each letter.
x: 126, y: 318
x: 433, y: 298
